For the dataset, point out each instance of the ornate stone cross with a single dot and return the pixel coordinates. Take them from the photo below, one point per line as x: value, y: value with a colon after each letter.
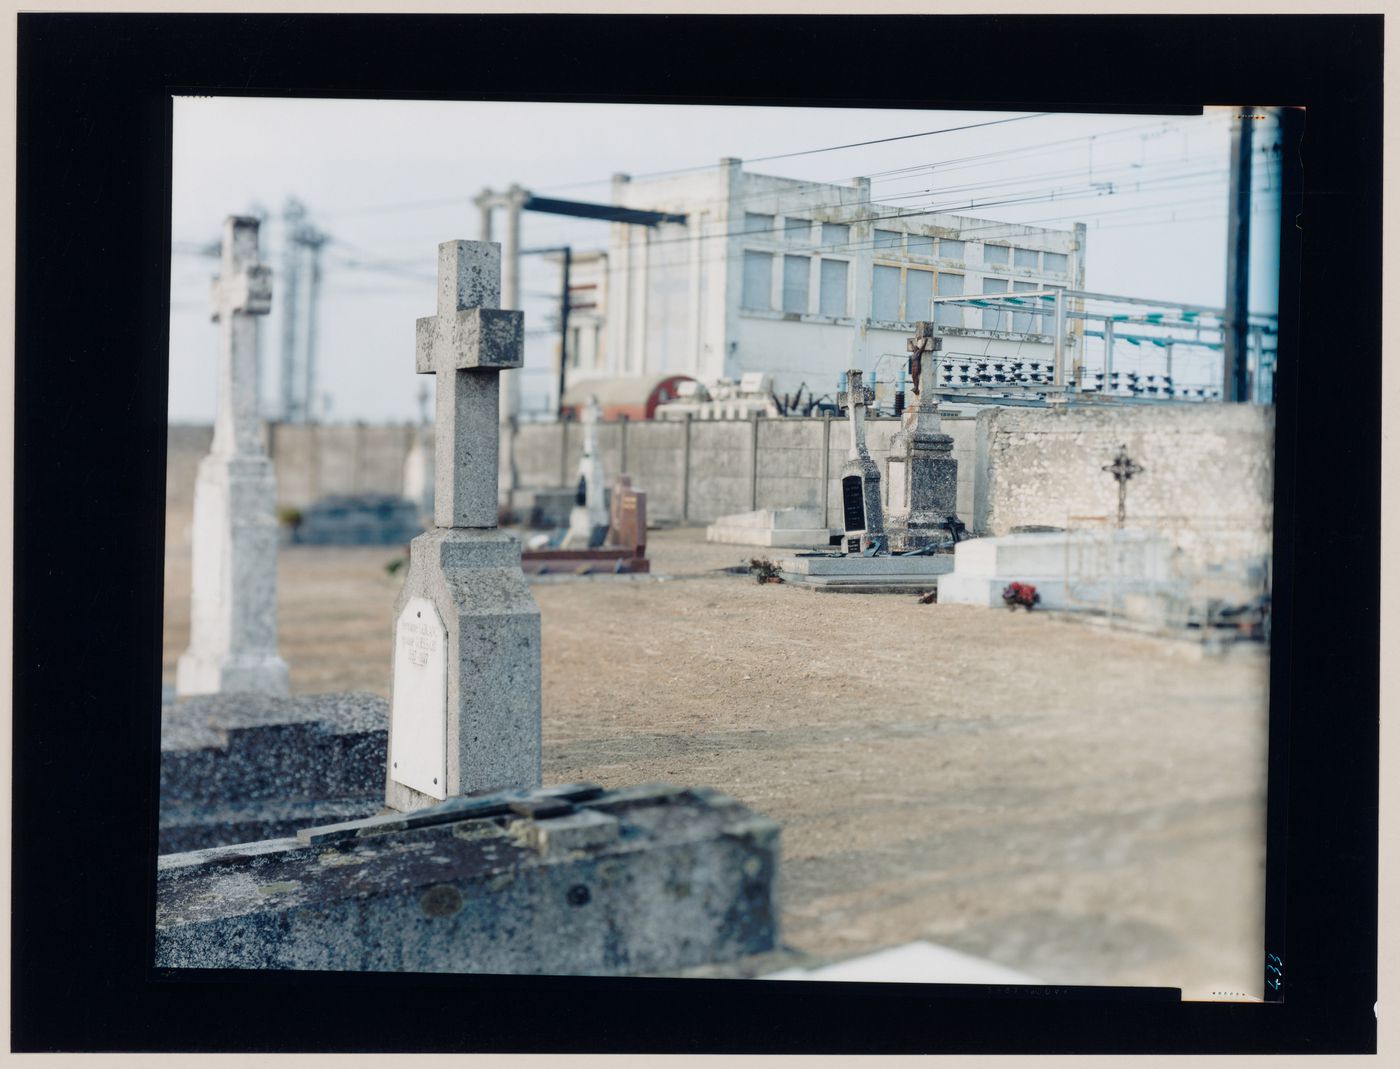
x: 1122, y: 469
x: 467, y: 345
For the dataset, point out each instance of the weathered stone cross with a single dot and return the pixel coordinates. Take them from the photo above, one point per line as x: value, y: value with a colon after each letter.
x: 233, y: 553
x: 1122, y: 469
x: 467, y: 345
x: 243, y: 289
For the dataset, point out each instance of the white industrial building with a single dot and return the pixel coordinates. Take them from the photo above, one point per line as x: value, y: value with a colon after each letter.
x: 803, y: 280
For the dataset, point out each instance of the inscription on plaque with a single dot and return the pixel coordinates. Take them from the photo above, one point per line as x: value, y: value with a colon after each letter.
x: 895, y: 479
x: 418, y: 737
x: 853, y: 501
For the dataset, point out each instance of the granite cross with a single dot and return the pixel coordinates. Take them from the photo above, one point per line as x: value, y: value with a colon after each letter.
x: 241, y: 290
x: 467, y: 345
x: 1122, y: 469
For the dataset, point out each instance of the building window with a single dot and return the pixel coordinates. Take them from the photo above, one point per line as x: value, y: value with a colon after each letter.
x: 1025, y: 320
x: 949, y: 315
x: 754, y: 223
x: 758, y: 281
x: 994, y: 318
x: 833, y: 292
x: 834, y: 235
x: 797, y: 229
x: 918, y: 295
x: 796, y: 273
x: 920, y: 245
x: 996, y: 254
x: 889, y: 239
x: 951, y: 250
x: 1029, y: 258
x: 1057, y: 261
x: 884, y: 294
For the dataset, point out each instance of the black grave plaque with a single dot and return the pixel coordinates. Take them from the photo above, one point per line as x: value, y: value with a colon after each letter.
x: 853, y: 500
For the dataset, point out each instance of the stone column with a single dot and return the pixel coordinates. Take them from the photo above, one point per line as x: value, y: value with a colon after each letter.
x: 233, y: 578
x: 465, y: 705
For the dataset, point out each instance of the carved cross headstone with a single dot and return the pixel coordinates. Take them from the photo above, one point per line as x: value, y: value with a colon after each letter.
x: 588, y: 521
x: 860, y: 478
x: 465, y: 705
x: 1122, y: 469
x: 233, y: 581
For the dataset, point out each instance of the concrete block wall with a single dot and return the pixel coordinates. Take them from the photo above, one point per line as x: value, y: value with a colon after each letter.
x: 1207, y: 480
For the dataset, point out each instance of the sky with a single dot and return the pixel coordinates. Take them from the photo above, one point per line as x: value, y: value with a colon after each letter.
x: 388, y: 180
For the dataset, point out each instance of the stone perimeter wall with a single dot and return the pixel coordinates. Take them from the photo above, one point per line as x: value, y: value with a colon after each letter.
x: 1208, y: 475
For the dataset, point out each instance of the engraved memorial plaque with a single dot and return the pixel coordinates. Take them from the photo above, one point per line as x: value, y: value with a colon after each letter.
x: 853, y: 502
x: 418, y: 736
x: 895, y: 478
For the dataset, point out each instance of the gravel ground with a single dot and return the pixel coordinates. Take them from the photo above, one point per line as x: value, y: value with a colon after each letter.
x: 1086, y: 806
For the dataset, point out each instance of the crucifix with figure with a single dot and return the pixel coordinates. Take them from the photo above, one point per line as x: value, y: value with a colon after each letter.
x: 465, y: 705
x: 1122, y: 469
x: 921, y: 476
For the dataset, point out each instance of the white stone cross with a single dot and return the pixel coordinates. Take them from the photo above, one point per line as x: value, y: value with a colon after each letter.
x: 467, y: 345
x: 243, y: 289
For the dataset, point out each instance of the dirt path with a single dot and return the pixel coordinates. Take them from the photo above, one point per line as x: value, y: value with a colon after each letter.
x: 1081, y: 805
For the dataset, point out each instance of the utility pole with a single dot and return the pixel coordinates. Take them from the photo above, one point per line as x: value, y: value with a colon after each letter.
x: 1235, y: 374
x: 564, y: 301
x: 313, y: 240
x: 292, y: 216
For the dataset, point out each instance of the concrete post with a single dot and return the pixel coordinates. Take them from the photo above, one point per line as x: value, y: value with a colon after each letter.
x: 685, y: 472
x: 826, y: 469
x: 753, y: 461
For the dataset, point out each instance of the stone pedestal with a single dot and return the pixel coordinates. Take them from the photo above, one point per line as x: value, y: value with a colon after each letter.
x: 233, y: 581
x: 771, y: 527
x: 921, y: 479
x: 466, y: 691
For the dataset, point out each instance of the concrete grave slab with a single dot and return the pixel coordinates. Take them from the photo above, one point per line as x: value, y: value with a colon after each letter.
x: 572, y: 882
x: 242, y: 767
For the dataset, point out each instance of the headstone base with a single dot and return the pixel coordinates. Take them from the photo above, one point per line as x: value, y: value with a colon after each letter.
x: 197, y: 673
x: 865, y: 575
x: 566, y: 881
x: 490, y: 728
x: 770, y: 527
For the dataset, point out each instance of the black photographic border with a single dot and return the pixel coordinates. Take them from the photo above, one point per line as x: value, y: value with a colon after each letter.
x: 92, y: 258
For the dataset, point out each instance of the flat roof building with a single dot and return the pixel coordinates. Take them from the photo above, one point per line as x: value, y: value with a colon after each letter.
x: 803, y: 280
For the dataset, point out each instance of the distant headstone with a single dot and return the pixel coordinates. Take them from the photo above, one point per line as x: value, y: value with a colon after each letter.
x: 359, y: 520
x: 628, y: 528
x: 233, y: 599
x: 465, y: 707
x: 588, y: 521
x: 418, y: 475
x: 921, y: 474
x: 860, y: 478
